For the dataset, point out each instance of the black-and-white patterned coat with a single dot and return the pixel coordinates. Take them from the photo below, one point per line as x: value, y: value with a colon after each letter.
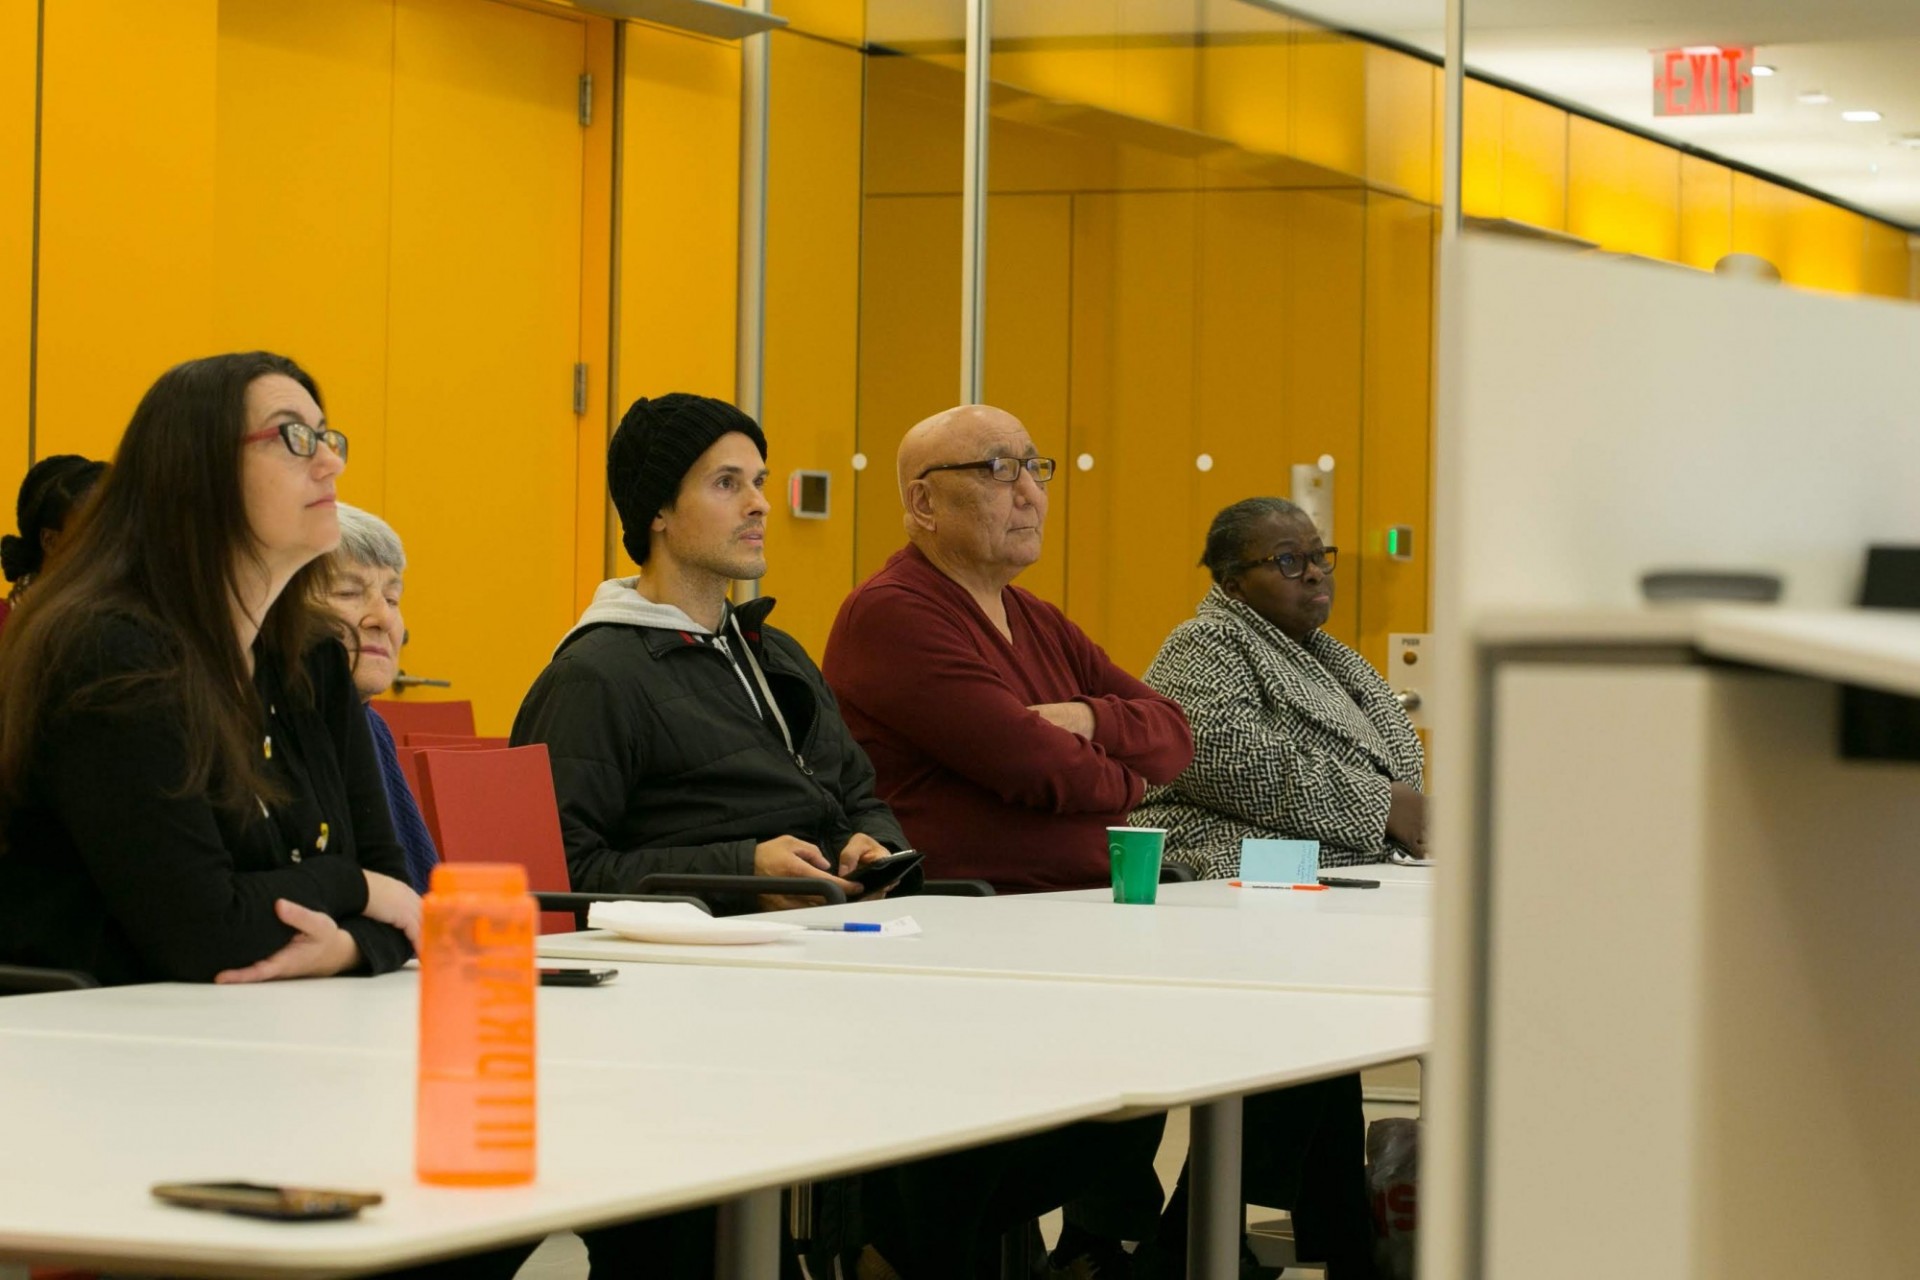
x: 1290, y: 741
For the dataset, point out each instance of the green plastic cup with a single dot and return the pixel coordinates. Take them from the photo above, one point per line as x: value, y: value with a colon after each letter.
x: 1136, y: 862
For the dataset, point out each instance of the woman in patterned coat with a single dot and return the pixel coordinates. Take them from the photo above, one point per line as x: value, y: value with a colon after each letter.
x: 1295, y: 736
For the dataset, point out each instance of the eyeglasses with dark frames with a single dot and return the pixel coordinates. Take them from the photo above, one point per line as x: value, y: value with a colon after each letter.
x: 302, y: 441
x: 1292, y: 564
x: 1005, y: 470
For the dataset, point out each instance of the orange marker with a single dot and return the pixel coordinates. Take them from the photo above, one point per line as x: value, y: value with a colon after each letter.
x: 1298, y: 888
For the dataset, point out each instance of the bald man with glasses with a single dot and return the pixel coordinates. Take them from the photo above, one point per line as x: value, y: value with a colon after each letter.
x: 1004, y: 739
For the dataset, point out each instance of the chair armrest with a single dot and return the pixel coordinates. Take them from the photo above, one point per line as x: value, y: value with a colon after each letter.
x: 958, y: 888
x: 799, y: 886
x: 1175, y: 873
x: 579, y: 902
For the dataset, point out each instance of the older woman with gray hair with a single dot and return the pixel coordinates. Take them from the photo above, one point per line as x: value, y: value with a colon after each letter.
x: 364, y: 580
x: 1295, y: 736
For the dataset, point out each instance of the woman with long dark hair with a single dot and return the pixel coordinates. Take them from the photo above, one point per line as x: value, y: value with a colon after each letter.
x: 189, y: 788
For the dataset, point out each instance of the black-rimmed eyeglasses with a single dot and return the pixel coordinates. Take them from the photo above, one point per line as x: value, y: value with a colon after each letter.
x: 302, y: 441
x: 1292, y: 564
x: 1005, y: 470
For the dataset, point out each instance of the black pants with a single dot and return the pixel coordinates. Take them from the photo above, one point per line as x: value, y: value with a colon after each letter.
x: 1304, y: 1150
x: 942, y: 1218
x: 674, y: 1246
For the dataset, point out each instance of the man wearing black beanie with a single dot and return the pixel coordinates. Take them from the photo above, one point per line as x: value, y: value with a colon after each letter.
x: 687, y: 735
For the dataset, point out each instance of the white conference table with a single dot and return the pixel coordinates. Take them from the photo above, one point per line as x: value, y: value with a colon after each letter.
x: 672, y: 1087
x: 1360, y: 941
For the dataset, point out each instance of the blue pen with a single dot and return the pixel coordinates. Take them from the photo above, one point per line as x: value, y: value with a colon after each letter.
x: 850, y: 926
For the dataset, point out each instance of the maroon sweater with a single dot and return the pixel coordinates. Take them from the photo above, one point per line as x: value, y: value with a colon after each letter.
x: 983, y: 786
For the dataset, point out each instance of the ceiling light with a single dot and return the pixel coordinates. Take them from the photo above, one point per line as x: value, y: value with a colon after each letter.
x: 1815, y: 98
x: 1860, y: 117
x: 1911, y: 141
x: 1762, y: 70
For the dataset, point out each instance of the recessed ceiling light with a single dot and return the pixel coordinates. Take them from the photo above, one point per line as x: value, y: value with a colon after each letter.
x: 1815, y: 98
x: 1762, y: 70
x: 1911, y: 141
x: 1860, y: 117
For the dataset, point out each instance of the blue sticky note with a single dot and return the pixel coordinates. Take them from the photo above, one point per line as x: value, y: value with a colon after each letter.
x: 1279, y: 861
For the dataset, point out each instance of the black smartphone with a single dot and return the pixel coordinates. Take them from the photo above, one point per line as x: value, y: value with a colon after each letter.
x: 257, y: 1200
x: 885, y: 872
x: 1342, y: 882
x: 576, y: 977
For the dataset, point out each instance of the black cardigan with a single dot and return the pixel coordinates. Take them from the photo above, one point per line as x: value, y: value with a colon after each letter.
x: 108, y: 870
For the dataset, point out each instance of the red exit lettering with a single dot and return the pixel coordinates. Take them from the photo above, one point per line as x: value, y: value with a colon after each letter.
x: 1709, y: 81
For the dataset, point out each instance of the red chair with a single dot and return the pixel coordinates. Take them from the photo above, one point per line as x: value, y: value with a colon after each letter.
x: 405, y: 717
x: 498, y: 806
x: 410, y: 770
x: 455, y: 742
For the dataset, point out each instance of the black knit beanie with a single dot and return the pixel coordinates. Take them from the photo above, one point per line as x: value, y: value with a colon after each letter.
x: 658, y: 442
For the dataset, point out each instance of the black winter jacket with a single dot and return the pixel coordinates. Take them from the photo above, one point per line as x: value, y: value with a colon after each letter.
x: 661, y: 762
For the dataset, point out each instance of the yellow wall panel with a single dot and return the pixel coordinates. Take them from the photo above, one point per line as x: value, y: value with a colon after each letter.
x: 1760, y: 210
x: 1132, y: 516
x: 592, y: 510
x: 678, y: 283
x: 1247, y: 273
x: 302, y: 179
x: 1152, y: 81
x: 484, y: 327
x: 19, y: 41
x: 1029, y: 286
x: 909, y: 350
x: 1326, y: 246
x: 813, y: 323
x: 1706, y: 212
x: 914, y: 121
x: 1245, y: 92
x: 1482, y: 136
x: 1396, y: 430
x: 1401, y: 92
x: 127, y: 242
x: 1623, y: 191
x: 1533, y: 162
x: 1329, y: 99
x: 1825, y: 245
x: 1886, y: 264
x: 841, y: 20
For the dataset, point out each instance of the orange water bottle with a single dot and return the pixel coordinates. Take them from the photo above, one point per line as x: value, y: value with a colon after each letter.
x: 474, y: 1123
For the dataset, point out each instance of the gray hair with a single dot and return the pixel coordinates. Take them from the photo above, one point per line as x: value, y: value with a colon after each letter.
x: 1228, y: 534
x: 366, y: 539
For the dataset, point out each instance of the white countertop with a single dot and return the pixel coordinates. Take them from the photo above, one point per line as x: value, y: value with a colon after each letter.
x: 1877, y: 648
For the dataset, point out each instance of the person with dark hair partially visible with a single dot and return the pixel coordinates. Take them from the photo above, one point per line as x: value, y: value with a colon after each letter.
x: 50, y: 496
x: 189, y: 788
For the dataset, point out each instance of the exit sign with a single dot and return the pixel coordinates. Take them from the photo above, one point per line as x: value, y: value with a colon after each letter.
x: 1711, y: 81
